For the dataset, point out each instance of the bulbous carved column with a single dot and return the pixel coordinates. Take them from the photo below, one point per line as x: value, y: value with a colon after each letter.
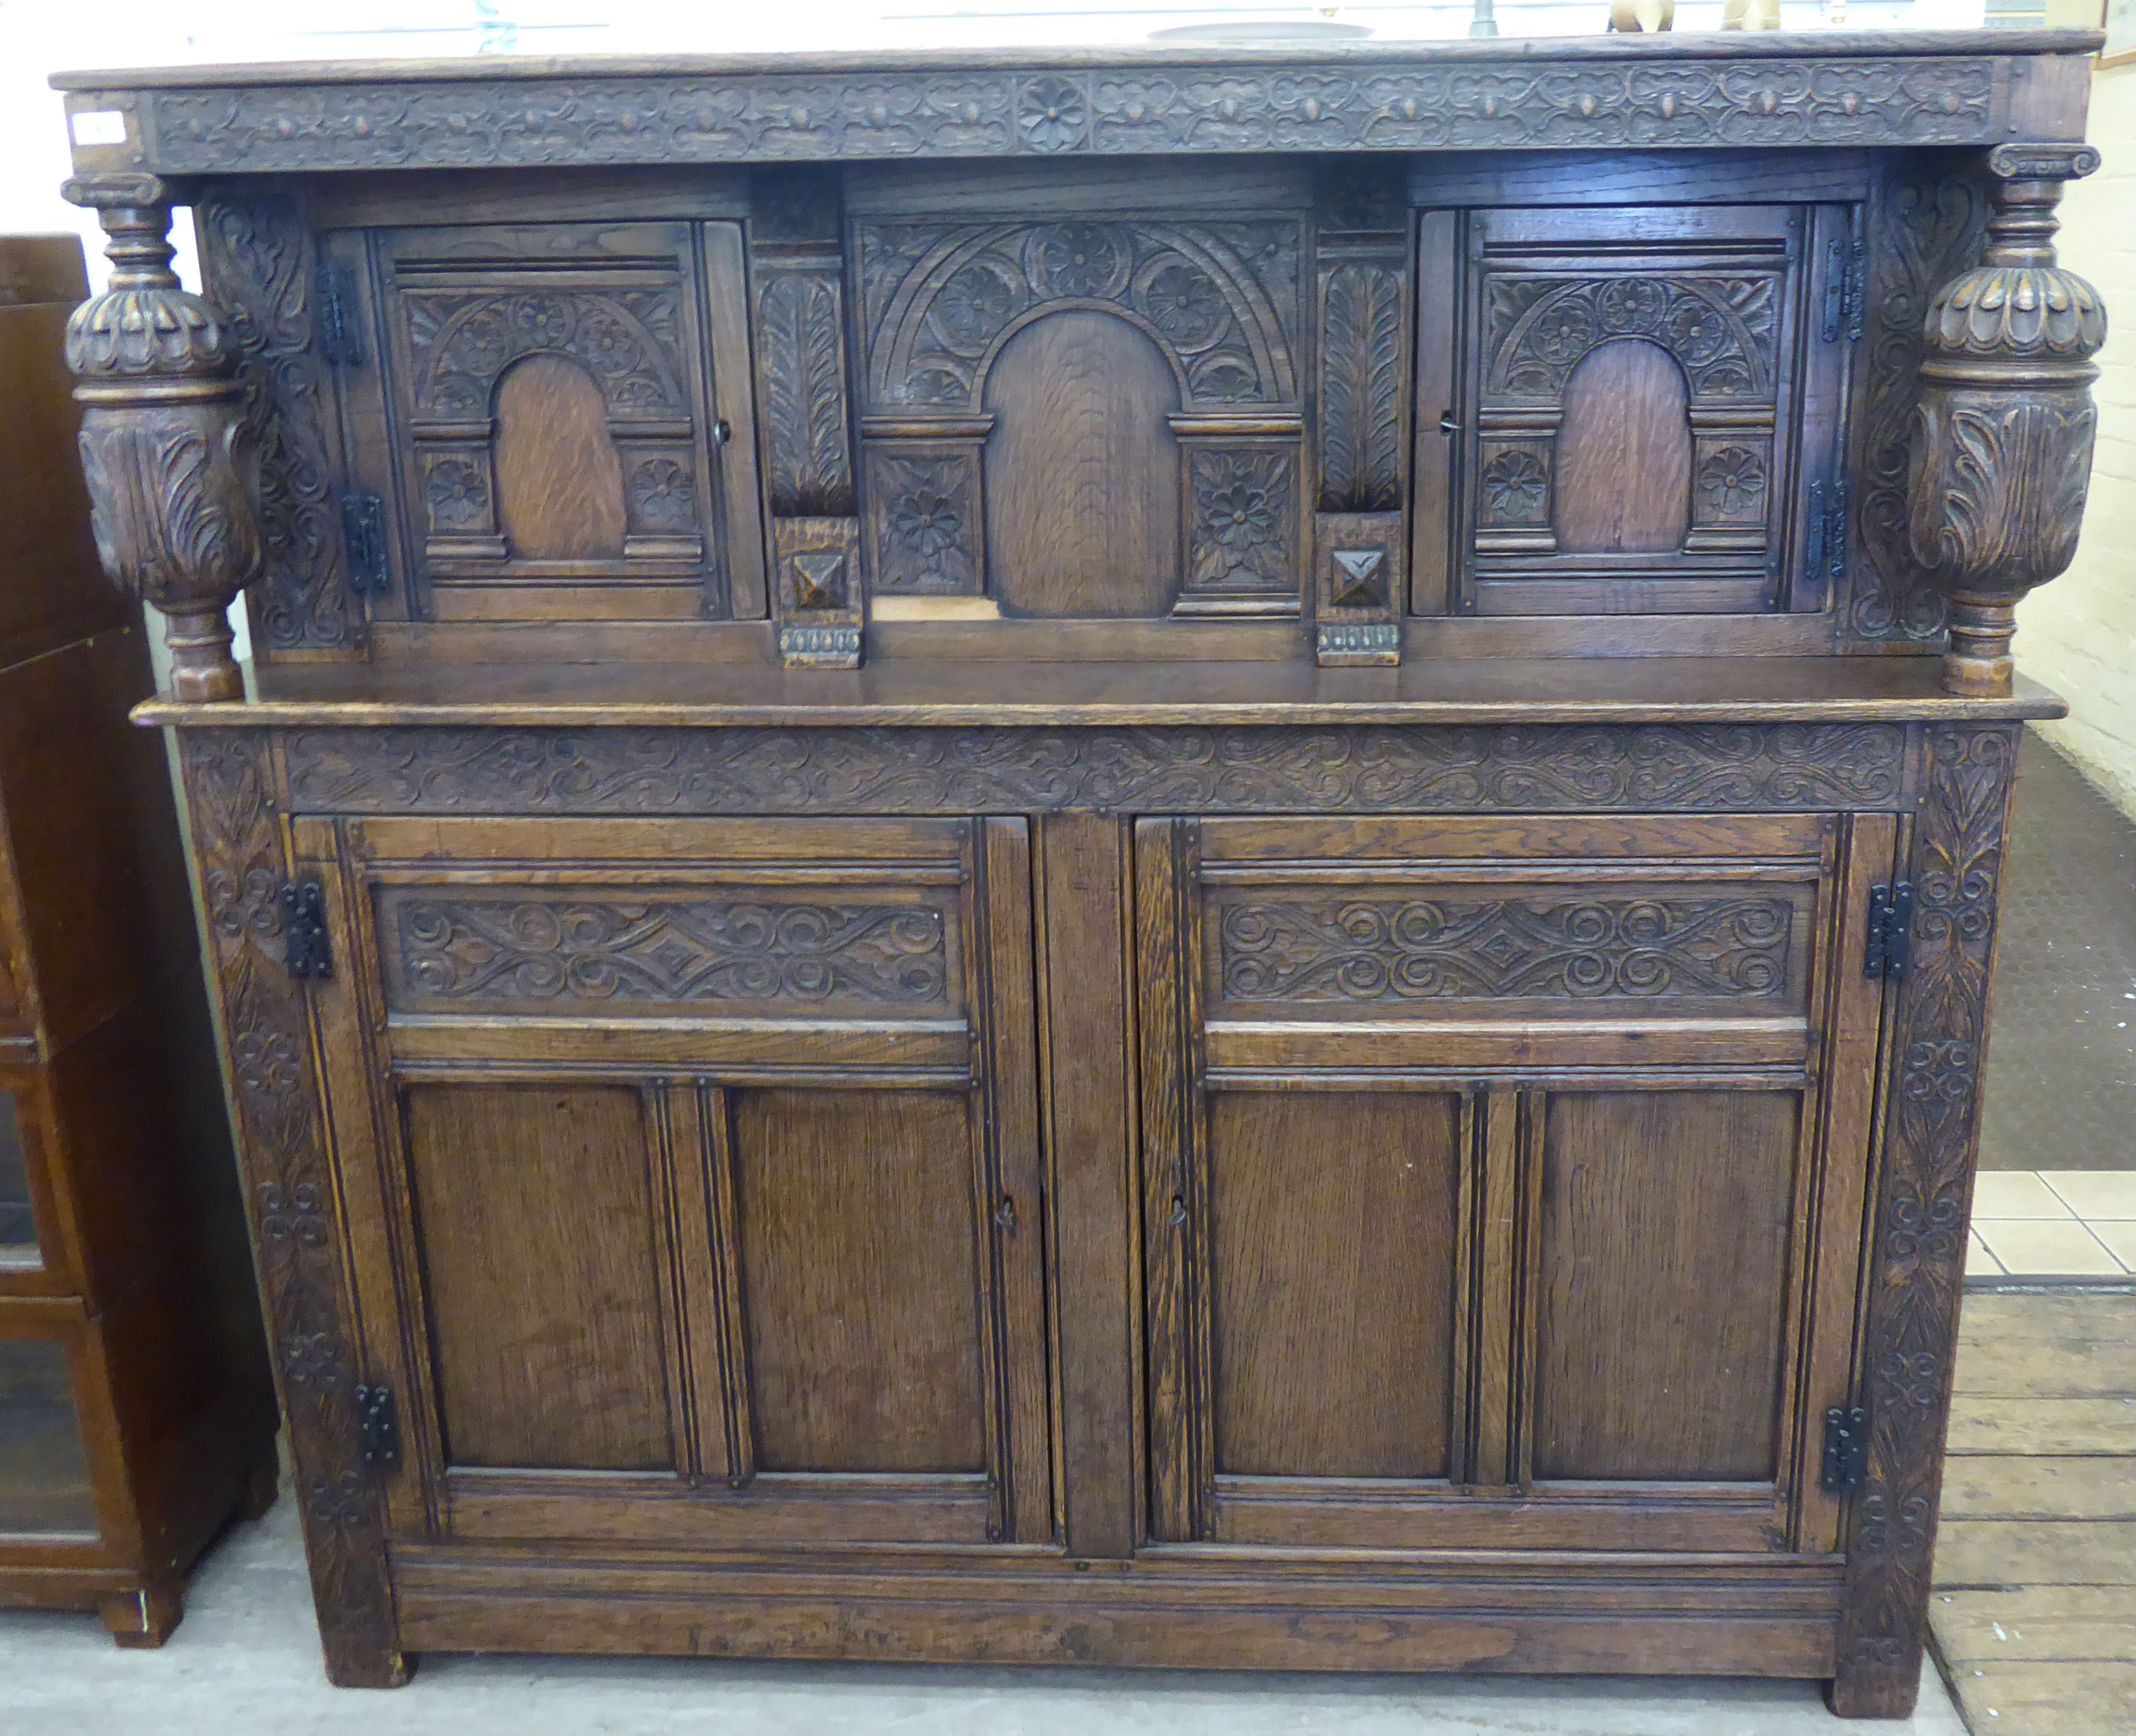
x: 173, y: 496
x: 2002, y: 448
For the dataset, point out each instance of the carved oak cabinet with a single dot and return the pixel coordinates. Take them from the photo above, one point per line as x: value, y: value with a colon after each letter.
x: 1173, y: 857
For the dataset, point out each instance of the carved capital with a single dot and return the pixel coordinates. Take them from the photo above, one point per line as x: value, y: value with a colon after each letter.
x: 2003, y: 433
x: 173, y: 485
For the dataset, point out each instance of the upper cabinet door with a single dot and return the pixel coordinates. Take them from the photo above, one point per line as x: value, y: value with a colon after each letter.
x: 564, y: 418
x: 1642, y: 411
x: 692, y: 1175
x: 1503, y: 1177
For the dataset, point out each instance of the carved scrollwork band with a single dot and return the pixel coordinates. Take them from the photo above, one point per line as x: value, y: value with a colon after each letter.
x: 1476, y: 97
x: 282, y: 1145
x: 1374, y: 949
x: 1009, y: 770
x: 451, y: 951
x: 1918, y: 1262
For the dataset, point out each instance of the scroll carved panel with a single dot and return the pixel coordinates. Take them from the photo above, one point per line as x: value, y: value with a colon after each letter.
x: 1371, y: 947
x: 456, y: 951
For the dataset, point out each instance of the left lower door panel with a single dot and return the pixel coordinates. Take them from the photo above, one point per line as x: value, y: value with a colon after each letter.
x: 693, y: 1175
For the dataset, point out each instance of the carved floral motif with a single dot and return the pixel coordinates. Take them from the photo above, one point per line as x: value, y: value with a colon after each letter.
x: 663, y: 496
x: 256, y: 261
x: 1572, y: 101
x: 457, y: 494
x: 924, y: 510
x: 1723, y: 330
x: 1222, y: 299
x: 462, y: 340
x: 522, y: 948
x: 1515, y: 485
x: 1731, y: 482
x: 1242, y: 538
x: 1368, y: 949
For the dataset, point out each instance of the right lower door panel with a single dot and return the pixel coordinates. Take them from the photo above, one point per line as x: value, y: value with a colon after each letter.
x: 1503, y: 1177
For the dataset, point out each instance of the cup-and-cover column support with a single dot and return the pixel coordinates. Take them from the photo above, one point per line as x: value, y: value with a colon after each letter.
x: 172, y: 490
x: 2002, y: 434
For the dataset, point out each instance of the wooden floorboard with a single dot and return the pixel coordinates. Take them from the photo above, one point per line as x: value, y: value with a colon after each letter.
x: 2034, y: 1617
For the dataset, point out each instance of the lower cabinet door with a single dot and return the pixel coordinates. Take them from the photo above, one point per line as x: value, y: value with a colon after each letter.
x: 693, y: 1175
x: 1503, y: 1178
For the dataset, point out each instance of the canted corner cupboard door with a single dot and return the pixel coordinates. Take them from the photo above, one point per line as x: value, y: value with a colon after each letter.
x: 699, y: 1203
x: 1635, y: 410
x: 560, y: 415
x: 1503, y: 1178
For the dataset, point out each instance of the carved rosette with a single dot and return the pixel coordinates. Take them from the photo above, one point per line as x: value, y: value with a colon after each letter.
x: 2002, y: 434
x: 172, y: 487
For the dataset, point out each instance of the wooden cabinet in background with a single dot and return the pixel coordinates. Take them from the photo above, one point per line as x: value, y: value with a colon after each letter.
x: 135, y: 1412
x: 1181, y: 858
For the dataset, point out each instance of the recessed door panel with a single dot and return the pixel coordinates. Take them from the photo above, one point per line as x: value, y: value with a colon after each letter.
x: 1662, y: 1290
x: 1333, y: 1245
x: 857, y: 1260
x: 45, y: 1486
x: 534, y: 1209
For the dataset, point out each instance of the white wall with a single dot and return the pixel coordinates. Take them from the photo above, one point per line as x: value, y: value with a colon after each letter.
x: 2079, y: 634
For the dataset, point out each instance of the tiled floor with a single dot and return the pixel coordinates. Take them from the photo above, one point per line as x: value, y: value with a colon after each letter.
x: 2061, y: 1061
x: 2053, y: 1223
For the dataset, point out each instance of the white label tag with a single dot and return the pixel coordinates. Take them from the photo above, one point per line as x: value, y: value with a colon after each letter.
x: 100, y: 127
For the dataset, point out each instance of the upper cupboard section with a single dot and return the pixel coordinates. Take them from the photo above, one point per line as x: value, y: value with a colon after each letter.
x: 1336, y: 398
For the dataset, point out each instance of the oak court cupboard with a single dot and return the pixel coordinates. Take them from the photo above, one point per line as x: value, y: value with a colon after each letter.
x: 1179, y: 856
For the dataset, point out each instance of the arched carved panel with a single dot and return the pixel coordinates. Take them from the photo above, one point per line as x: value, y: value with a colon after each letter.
x: 1081, y: 471
x: 1723, y: 331
x: 559, y: 482
x: 462, y: 341
x: 1623, y: 452
x: 1219, y: 301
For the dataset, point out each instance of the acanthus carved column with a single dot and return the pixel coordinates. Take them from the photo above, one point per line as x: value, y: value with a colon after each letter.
x: 2002, y: 434
x: 172, y: 496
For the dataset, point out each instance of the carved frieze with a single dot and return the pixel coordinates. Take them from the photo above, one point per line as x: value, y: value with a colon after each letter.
x: 1366, y: 948
x: 1249, y: 769
x: 1220, y: 299
x: 1475, y: 99
x: 460, y: 949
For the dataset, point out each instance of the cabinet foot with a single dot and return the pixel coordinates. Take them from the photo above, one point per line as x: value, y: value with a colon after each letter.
x: 1875, y: 1690
x: 141, y: 1621
x: 261, y: 1488
x: 349, y: 1667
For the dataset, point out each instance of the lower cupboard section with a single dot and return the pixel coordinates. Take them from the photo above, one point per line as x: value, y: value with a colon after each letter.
x: 1181, y: 1608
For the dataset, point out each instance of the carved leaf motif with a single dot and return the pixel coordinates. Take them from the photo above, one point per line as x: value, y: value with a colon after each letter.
x: 1999, y: 486
x: 586, y: 949
x: 802, y: 358
x: 173, y: 522
x: 1361, y: 390
x: 1365, y: 949
x: 256, y: 262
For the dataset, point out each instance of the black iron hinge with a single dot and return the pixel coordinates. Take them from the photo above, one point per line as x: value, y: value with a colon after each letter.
x: 1891, y: 930
x: 340, y: 334
x: 1846, y: 1450
x: 1825, y: 550
x: 304, y: 947
x: 378, y: 1429
x: 1845, y: 287
x: 363, y: 528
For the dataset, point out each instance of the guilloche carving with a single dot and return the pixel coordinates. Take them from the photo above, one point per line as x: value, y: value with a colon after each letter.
x: 2002, y: 434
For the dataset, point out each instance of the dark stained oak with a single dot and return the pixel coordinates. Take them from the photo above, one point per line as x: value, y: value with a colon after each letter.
x: 1082, y: 500
x: 1099, y: 830
x: 1623, y: 471
x: 535, y: 1220
x: 857, y: 1250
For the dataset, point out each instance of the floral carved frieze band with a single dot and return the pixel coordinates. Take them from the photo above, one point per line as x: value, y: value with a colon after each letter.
x: 1457, y: 948
x: 1575, y: 100
x: 520, y: 948
x: 1008, y: 770
x: 1220, y: 299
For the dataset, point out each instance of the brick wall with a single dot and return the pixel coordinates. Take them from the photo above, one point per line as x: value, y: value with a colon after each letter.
x: 2078, y: 634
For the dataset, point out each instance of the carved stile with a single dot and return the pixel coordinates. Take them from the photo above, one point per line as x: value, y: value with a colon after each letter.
x: 2003, y: 435
x: 173, y: 494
